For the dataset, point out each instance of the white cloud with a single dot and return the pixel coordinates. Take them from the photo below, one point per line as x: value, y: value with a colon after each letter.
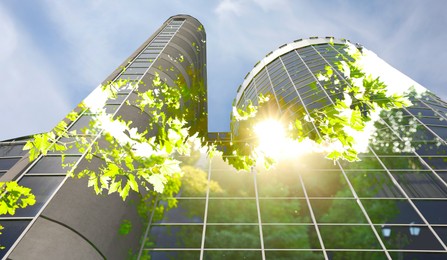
x: 226, y: 7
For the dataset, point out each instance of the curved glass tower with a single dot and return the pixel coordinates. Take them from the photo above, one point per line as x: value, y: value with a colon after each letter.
x: 391, y: 204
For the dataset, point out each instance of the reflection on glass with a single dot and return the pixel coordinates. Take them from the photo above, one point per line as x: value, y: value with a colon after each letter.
x: 232, y: 183
x: 346, y: 237
x: 12, y: 230
x: 42, y: 187
x: 337, y: 211
x: 284, y: 211
x: 175, y: 236
x: 434, y: 211
x: 240, y: 236
x: 421, y: 184
x: 310, y: 255
x: 187, y: 211
x: 231, y: 254
x: 371, y: 255
x: 373, y: 184
x: 175, y: 254
x: 326, y: 184
x: 401, y: 237
x: 232, y: 211
x: 290, y: 237
x: 7, y: 163
x: 53, y: 164
x: 391, y: 211
x: 11, y: 150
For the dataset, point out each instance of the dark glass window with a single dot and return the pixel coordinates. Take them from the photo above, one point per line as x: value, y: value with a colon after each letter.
x: 42, y: 187
x: 238, y: 236
x: 175, y: 236
x: 435, y: 211
x: 11, y: 150
x: 12, y: 230
x: 7, y: 163
x: 53, y: 164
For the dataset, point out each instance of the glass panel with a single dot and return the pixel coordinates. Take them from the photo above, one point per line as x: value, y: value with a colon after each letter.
x: 175, y: 236
x: 290, y: 237
x: 326, y: 184
x: 231, y: 182
x: 373, y: 184
x: 12, y: 230
x: 356, y: 255
x: 439, y: 163
x: 130, y: 77
x: 337, y: 211
x: 7, y: 163
x: 187, y: 211
x: 241, y: 236
x: 232, y: 211
x: 284, y: 211
x: 435, y: 211
x: 82, y: 124
x: 195, y: 180
x: 293, y: 255
x: 391, y: 211
x: 11, y: 150
x: 53, y: 164
x: 403, y: 162
x: 284, y: 184
x: 409, y: 238
x: 421, y: 184
x: 42, y: 187
x: 231, y: 254
x: 173, y: 254
x: 349, y: 237
x: 418, y: 255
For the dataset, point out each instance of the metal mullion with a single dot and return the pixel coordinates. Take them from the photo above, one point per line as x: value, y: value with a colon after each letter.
x: 314, y: 221
x: 205, y: 215
x: 261, y: 235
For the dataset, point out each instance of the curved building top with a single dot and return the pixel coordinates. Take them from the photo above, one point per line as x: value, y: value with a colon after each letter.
x: 283, y: 49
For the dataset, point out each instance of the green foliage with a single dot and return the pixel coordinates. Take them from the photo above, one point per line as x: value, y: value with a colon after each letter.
x: 14, y: 196
x: 125, y: 227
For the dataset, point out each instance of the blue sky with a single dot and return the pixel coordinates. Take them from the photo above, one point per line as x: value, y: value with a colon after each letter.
x: 53, y: 53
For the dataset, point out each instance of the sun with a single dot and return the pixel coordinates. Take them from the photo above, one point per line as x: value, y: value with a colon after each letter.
x: 272, y: 139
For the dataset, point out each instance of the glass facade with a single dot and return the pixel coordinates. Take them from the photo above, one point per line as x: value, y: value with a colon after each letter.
x: 391, y: 204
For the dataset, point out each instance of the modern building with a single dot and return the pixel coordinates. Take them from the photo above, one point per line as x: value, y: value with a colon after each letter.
x: 69, y: 221
x: 390, y: 205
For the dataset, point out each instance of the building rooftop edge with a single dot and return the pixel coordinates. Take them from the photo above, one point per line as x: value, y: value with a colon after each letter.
x: 283, y: 49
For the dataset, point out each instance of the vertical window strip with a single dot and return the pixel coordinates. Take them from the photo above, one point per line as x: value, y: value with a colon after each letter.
x: 78, y: 161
